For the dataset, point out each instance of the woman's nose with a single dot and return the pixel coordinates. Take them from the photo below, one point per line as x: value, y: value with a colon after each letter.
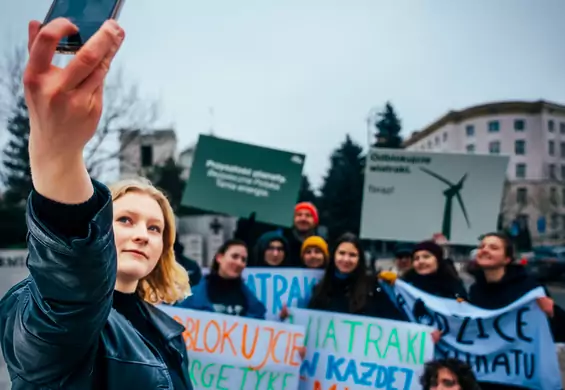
x: 141, y: 234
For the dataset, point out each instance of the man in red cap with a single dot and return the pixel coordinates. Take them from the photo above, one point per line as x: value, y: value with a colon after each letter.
x: 305, y: 224
x: 306, y: 220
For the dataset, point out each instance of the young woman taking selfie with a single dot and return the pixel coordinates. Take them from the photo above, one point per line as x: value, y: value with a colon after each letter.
x: 98, y: 260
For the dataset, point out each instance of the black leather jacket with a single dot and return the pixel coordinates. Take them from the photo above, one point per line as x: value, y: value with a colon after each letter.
x: 58, y: 329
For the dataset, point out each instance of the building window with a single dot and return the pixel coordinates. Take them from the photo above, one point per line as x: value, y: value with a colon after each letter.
x: 437, y: 140
x: 519, y: 125
x: 146, y: 156
x: 522, y: 196
x: 494, y: 147
x: 520, y: 171
x: 551, y: 147
x: 552, y: 171
x: 429, y: 144
x: 520, y: 147
x: 562, y: 149
x: 562, y: 127
x: 470, y: 130
x: 444, y: 137
x: 551, y: 125
x: 493, y: 126
x: 471, y: 148
x: 563, y: 197
x: 563, y: 172
x: 554, y: 221
x: 553, y: 196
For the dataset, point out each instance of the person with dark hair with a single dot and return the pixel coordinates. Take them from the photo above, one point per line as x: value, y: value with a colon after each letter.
x: 448, y: 374
x: 191, y: 266
x: 347, y: 288
x: 271, y: 250
x: 223, y: 291
x: 500, y: 282
x: 432, y: 273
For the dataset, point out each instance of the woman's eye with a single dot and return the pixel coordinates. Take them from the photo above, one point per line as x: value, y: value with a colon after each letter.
x: 155, y: 228
x: 124, y: 219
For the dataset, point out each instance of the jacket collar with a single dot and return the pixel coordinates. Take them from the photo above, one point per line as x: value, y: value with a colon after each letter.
x: 167, y: 326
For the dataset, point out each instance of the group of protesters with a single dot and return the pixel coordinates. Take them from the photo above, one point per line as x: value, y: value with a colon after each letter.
x: 101, y: 258
x: 350, y: 286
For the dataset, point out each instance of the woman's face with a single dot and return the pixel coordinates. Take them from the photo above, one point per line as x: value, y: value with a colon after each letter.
x: 491, y: 253
x: 313, y: 257
x: 424, y: 263
x: 232, y: 263
x: 346, y: 258
x: 274, y: 255
x: 138, y: 232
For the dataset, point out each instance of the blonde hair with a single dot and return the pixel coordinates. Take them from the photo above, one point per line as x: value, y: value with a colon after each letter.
x: 168, y: 282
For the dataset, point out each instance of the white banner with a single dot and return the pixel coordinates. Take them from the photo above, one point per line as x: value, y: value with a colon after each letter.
x: 355, y: 352
x: 512, y: 345
x: 229, y: 352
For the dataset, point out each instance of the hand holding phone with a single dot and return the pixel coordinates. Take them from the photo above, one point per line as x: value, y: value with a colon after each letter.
x: 87, y: 15
x: 65, y: 105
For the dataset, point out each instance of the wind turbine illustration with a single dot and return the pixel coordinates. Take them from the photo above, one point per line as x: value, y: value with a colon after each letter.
x: 453, y: 191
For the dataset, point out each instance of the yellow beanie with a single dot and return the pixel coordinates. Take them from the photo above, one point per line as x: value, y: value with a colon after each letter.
x: 318, y: 242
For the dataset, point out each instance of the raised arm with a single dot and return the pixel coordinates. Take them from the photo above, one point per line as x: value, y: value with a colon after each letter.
x: 51, y: 322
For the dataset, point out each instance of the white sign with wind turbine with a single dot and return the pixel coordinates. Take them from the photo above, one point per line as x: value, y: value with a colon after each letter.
x: 410, y: 196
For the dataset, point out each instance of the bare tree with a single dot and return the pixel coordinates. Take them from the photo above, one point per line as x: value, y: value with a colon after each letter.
x: 124, y: 109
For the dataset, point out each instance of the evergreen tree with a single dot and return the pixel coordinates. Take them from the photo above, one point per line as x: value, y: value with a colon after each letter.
x: 17, y: 171
x: 388, y: 129
x: 342, y: 190
x: 306, y: 193
x: 167, y: 177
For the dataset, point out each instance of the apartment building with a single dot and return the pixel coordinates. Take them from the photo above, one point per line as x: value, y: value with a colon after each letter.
x: 533, y: 135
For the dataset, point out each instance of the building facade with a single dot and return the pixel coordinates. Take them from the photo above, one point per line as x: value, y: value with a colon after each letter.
x: 533, y: 135
x: 142, y: 150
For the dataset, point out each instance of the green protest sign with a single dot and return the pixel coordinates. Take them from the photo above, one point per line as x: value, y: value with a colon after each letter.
x: 238, y: 179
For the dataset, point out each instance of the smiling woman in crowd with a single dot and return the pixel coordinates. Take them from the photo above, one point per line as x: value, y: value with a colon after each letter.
x: 499, y: 282
x: 223, y: 291
x: 314, y: 253
x: 347, y: 288
x: 433, y: 274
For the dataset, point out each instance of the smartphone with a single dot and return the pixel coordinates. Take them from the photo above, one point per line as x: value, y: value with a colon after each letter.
x: 87, y: 15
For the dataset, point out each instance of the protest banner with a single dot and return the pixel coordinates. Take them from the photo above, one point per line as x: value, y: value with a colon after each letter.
x: 276, y: 287
x: 346, y: 352
x: 512, y: 345
x: 239, y: 179
x: 230, y: 353
x: 455, y: 194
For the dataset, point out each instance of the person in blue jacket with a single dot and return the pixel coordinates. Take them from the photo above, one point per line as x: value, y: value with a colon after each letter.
x: 223, y: 290
x: 99, y: 261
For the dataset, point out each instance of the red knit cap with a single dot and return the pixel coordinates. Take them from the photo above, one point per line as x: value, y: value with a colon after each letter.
x: 309, y: 207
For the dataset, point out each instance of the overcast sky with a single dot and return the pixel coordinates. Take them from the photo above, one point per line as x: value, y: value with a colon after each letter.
x: 300, y: 74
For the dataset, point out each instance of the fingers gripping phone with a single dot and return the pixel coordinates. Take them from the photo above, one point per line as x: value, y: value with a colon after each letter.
x: 87, y: 15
